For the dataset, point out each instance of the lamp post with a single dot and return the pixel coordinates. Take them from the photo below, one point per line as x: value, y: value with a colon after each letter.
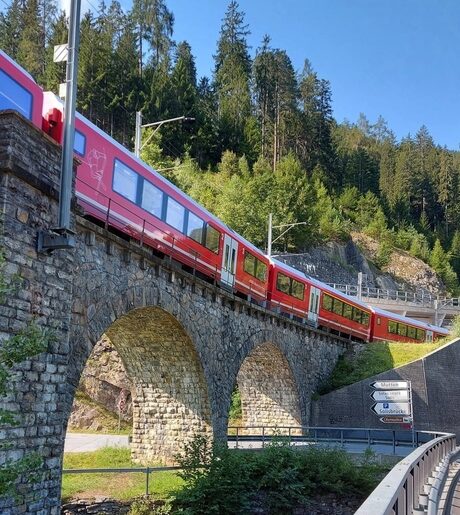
x: 139, y: 126
x: 270, y: 231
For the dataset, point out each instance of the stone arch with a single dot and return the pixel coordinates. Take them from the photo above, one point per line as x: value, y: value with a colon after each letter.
x: 269, y: 395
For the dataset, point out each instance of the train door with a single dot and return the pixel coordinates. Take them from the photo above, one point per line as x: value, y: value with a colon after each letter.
x: 429, y: 336
x: 313, y: 306
x: 227, y: 276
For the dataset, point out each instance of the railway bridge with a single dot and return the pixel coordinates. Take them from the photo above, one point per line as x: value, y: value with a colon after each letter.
x: 184, y: 342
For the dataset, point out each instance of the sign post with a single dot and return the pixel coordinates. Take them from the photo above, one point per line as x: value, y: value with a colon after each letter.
x: 393, y: 403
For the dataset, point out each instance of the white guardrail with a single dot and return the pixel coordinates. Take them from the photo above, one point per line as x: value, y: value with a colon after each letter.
x: 421, y: 297
x: 409, y: 486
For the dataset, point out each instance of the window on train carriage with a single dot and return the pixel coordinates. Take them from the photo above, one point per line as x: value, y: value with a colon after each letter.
x: 249, y: 265
x: 14, y: 96
x: 412, y: 332
x: 195, y: 227
x: 297, y: 289
x: 357, y: 315
x: 402, y: 329
x: 379, y: 321
x: 261, y: 270
x: 212, y: 239
x: 152, y: 199
x: 79, y: 143
x: 392, y: 327
x: 283, y: 283
x: 365, y: 319
x: 348, y: 311
x: 421, y: 335
x: 337, y: 307
x: 327, y: 302
x: 125, y: 181
x: 175, y: 214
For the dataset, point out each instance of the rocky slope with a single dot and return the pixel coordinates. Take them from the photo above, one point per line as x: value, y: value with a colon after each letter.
x: 104, y: 383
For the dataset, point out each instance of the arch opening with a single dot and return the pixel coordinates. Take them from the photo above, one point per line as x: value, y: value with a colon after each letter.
x: 170, y: 402
x: 269, y: 396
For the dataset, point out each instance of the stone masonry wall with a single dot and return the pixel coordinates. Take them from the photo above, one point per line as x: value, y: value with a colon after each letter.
x: 182, y: 340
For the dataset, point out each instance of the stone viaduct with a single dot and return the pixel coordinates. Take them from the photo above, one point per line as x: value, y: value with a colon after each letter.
x: 184, y: 342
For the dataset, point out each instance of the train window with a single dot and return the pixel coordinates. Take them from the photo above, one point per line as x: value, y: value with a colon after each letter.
x: 297, y: 289
x: 357, y: 315
x: 421, y: 335
x: 283, y: 283
x: 125, y: 181
x: 14, y: 96
x: 337, y: 307
x: 348, y: 311
x: 392, y: 327
x: 195, y: 227
x: 261, y: 270
x: 79, y: 143
x: 212, y: 239
x: 365, y: 320
x: 412, y: 332
x: 327, y: 302
x: 249, y: 265
x: 402, y: 329
x: 152, y: 199
x: 175, y: 214
x: 379, y: 320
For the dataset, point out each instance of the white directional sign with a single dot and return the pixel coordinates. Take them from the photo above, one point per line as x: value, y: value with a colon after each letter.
x: 390, y: 395
x: 391, y: 408
x: 390, y: 385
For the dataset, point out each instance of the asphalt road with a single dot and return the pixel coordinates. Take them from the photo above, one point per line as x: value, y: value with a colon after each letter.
x: 81, y: 442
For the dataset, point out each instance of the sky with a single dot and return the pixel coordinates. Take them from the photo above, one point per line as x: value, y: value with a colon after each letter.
x: 395, y: 58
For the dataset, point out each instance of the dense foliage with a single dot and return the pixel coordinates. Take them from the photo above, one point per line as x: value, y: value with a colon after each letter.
x: 275, y: 480
x: 264, y: 138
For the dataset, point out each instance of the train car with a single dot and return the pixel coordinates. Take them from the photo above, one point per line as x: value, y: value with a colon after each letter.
x: 19, y: 91
x: 392, y: 327
x: 289, y: 291
x: 343, y: 314
x: 117, y: 188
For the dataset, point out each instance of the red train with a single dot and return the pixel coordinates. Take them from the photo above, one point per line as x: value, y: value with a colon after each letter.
x: 116, y: 188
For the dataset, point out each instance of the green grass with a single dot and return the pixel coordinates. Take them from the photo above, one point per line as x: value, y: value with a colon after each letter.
x: 113, y: 485
x: 374, y: 359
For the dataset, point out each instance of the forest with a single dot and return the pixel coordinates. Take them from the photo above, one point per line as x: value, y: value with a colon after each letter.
x: 264, y: 137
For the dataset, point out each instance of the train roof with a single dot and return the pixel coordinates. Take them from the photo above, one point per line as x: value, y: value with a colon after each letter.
x: 160, y: 177
x: 407, y: 320
x: 16, y: 65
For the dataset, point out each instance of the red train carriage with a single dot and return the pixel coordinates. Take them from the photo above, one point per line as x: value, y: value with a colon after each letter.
x: 19, y: 91
x: 393, y: 327
x: 114, y: 186
x: 344, y: 314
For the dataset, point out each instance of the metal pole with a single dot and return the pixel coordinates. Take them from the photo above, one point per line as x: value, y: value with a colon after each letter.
x: 269, y: 245
x: 138, y: 137
x: 360, y: 285
x: 65, y: 194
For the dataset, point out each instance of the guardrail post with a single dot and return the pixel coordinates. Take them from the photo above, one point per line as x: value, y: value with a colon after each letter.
x: 147, y: 481
x: 368, y: 437
x: 237, y: 436
x: 341, y: 437
x: 263, y: 437
x: 394, y: 442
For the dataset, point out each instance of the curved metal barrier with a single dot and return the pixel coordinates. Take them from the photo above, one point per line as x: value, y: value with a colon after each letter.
x: 405, y: 489
x: 339, y: 435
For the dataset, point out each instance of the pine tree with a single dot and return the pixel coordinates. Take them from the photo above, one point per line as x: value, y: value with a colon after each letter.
x: 12, y: 27
x: 231, y: 76
x: 31, y: 49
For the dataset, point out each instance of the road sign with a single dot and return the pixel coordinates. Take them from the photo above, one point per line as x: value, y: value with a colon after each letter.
x: 61, y: 53
x: 390, y: 385
x: 391, y: 408
x: 390, y: 395
x: 392, y: 419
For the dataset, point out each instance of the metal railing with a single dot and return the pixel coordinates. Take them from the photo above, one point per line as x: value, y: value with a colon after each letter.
x: 148, y: 471
x: 420, y: 297
x: 341, y: 435
x: 403, y: 489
